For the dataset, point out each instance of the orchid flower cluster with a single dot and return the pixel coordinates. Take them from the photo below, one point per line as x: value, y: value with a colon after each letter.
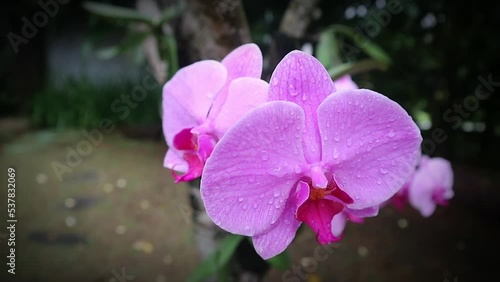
x: 301, y: 149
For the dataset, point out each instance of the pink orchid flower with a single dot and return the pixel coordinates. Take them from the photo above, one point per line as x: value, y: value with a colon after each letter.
x: 203, y: 100
x: 345, y: 83
x: 306, y: 156
x: 431, y: 185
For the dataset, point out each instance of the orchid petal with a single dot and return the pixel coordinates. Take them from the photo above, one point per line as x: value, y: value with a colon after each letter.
x: 173, y: 160
x: 195, y: 168
x: 244, y: 94
x: 249, y: 176
x: 370, y: 142
x: 302, y: 79
x: 338, y: 223
x: 206, y: 145
x: 275, y: 240
x: 244, y: 61
x: 318, y: 214
x: 345, y: 83
x: 188, y: 96
x: 366, y: 212
x: 433, y: 174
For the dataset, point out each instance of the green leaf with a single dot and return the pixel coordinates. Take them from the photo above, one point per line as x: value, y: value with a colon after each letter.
x: 356, y: 67
x: 171, y: 13
x: 281, y: 261
x: 215, y: 263
x: 370, y: 48
x: 133, y: 40
x: 116, y: 12
x: 327, y: 50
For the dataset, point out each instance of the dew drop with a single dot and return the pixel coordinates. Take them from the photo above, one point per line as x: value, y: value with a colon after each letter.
x: 336, y: 138
x: 379, y: 182
x: 276, y: 193
x: 304, y: 97
x: 292, y: 92
x: 240, y: 200
x: 349, y: 142
x: 264, y: 155
x: 245, y: 206
x: 270, y: 201
x: 335, y: 153
x: 247, y: 227
x: 391, y: 134
x: 297, y: 169
x: 383, y: 171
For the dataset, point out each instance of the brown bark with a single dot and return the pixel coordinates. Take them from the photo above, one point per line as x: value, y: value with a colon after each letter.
x: 211, y: 29
x: 293, y: 27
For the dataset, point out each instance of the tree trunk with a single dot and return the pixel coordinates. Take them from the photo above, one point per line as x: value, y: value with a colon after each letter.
x: 210, y: 30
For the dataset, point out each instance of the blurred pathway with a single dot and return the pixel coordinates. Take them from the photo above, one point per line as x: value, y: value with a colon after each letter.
x: 119, y: 212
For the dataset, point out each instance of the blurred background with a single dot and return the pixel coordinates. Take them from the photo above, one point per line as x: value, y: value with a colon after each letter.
x: 80, y: 95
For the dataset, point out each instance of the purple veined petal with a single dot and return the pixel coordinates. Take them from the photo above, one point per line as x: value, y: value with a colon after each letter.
x: 370, y: 144
x: 345, y: 83
x: 275, y: 240
x: 433, y: 174
x: 244, y: 94
x: 253, y: 169
x: 173, y: 160
x: 188, y: 96
x: 244, y: 61
x: 366, y: 212
x: 302, y: 79
x: 338, y: 223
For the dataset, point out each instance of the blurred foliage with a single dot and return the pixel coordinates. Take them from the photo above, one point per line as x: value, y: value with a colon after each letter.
x: 155, y: 27
x: 83, y: 104
x: 216, y: 264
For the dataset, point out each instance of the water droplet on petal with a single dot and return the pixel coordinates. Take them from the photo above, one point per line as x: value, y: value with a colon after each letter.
x: 336, y: 138
x: 335, y: 153
x: 391, y: 134
x: 297, y: 169
x: 245, y: 206
x: 276, y: 193
x: 349, y: 142
x: 383, y: 170
x: 240, y: 199
x: 264, y: 155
